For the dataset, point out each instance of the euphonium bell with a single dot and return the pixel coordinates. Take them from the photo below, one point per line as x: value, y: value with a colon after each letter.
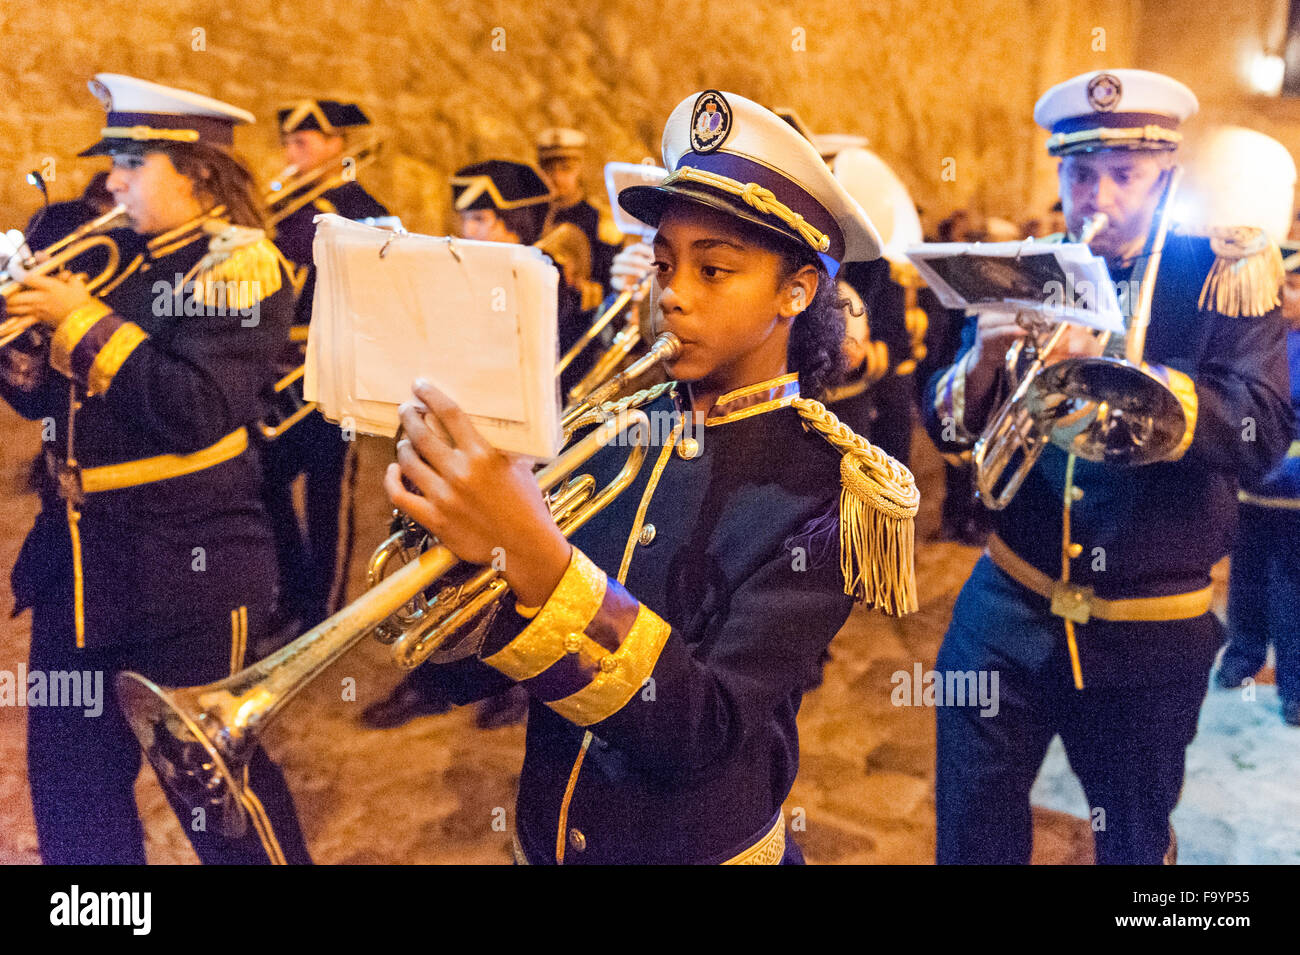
x: 1127, y: 414
x: 1106, y: 408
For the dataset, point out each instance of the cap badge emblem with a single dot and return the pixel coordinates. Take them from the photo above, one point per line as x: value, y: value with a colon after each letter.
x: 1104, y: 91
x: 710, y: 122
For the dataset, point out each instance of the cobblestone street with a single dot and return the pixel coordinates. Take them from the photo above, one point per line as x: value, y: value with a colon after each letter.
x: 427, y: 792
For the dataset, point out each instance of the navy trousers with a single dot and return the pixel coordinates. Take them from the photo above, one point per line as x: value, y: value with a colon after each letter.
x: 308, y: 557
x: 1264, y: 596
x: 82, y: 768
x: 1126, y: 733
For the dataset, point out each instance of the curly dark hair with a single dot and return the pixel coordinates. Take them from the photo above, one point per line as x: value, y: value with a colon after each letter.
x: 817, y: 335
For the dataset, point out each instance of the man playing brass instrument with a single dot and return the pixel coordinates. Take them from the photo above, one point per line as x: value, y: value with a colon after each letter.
x: 314, y: 135
x: 1092, y: 602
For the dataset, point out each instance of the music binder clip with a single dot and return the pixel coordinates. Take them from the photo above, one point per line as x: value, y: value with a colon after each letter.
x: 397, y: 233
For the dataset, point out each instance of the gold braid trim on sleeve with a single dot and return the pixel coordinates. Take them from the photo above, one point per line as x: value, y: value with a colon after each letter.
x: 878, y: 505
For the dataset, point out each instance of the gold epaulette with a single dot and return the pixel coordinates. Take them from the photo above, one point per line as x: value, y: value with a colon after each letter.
x: 242, y: 267
x: 878, y: 504
x: 1246, y: 278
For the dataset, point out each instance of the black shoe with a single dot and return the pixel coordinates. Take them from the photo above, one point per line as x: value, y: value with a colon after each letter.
x: 1232, y: 674
x: 504, y: 709
x: 404, y: 704
x: 1291, y: 713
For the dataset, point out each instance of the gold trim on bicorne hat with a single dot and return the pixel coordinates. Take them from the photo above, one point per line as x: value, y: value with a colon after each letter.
x: 328, y: 116
x: 492, y: 180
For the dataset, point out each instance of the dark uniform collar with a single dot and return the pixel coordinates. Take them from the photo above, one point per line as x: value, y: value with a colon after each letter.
x: 167, y: 242
x: 754, y: 399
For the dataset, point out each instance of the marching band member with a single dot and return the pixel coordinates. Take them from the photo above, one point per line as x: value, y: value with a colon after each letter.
x: 562, y: 156
x: 1264, y: 580
x: 152, y: 551
x: 666, y: 648
x: 314, y: 135
x: 1093, y: 599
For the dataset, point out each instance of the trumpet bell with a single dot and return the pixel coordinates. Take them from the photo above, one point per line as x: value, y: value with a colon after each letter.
x: 189, y: 762
x: 1107, y: 410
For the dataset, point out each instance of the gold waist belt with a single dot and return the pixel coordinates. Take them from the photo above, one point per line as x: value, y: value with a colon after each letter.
x: 1079, y: 603
x: 113, y: 477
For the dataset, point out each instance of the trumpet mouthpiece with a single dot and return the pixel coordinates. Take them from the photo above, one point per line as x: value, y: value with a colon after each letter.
x: 1092, y: 226
x: 667, y: 346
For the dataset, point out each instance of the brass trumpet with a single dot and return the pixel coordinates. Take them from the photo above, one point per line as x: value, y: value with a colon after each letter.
x: 587, y: 410
x: 60, y: 253
x: 291, y: 189
x: 200, y: 739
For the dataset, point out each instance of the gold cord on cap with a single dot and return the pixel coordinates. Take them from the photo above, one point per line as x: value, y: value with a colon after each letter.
x: 760, y: 198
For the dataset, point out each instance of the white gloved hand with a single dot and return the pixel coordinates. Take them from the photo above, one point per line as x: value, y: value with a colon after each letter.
x: 630, y: 266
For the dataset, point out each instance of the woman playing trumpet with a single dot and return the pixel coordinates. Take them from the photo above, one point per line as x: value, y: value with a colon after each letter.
x: 152, y: 551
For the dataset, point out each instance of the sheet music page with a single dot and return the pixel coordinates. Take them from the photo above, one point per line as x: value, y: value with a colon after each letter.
x: 478, y: 319
x: 1064, y: 282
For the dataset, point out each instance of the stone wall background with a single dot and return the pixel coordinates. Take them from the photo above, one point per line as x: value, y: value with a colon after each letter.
x: 925, y: 81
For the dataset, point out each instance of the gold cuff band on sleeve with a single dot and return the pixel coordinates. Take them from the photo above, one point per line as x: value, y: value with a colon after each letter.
x: 1184, y: 390
x: 71, y: 331
x: 110, y: 358
x: 566, y: 613
x: 622, y: 673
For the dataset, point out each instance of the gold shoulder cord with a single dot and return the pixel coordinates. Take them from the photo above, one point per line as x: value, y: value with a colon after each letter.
x: 878, y: 505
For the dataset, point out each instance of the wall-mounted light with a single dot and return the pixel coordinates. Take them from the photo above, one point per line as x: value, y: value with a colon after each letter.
x: 1265, y: 72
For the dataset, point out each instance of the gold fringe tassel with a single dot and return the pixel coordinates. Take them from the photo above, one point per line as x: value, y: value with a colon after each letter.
x: 878, y: 505
x: 240, y: 278
x: 1243, y: 281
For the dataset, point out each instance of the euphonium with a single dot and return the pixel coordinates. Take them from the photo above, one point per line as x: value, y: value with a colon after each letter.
x: 1112, y: 408
x: 58, y: 254
x: 200, y: 739
x: 1101, y: 409
x: 1013, y: 434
